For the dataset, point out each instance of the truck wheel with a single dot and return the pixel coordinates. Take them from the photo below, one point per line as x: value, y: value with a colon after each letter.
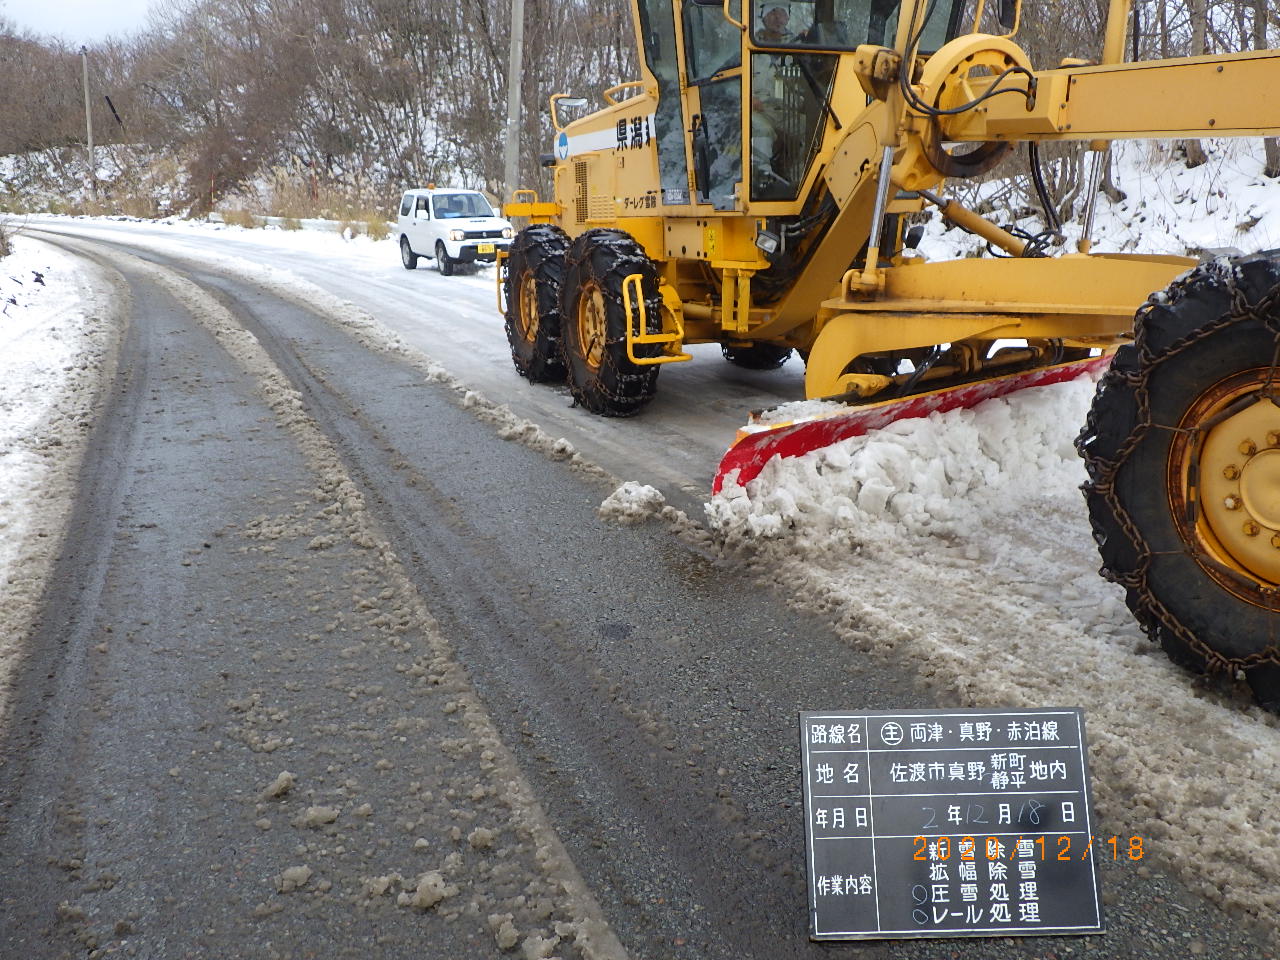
x: 407, y: 256
x: 532, y: 290
x: 758, y: 356
x: 443, y: 262
x: 600, y: 374
x: 1182, y: 448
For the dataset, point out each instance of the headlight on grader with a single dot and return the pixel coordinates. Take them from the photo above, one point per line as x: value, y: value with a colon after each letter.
x: 768, y: 242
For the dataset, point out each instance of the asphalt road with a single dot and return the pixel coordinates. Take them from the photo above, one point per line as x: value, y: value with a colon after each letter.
x: 305, y: 557
x: 455, y: 321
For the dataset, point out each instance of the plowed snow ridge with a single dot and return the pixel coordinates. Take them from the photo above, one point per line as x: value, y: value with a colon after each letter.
x: 960, y: 543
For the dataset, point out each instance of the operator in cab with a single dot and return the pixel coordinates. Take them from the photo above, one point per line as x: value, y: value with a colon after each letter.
x: 767, y: 107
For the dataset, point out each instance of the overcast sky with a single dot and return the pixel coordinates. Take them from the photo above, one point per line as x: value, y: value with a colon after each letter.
x: 78, y: 21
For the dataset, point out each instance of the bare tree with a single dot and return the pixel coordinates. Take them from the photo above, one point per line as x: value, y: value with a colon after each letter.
x: 1193, y: 149
x: 1271, y: 146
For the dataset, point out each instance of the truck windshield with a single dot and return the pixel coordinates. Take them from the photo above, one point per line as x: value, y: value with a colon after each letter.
x: 844, y: 24
x: 450, y: 206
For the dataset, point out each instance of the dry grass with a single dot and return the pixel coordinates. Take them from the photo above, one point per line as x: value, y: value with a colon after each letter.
x: 6, y: 238
x: 294, y: 191
x: 368, y: 223
x: 132, y: 182
x: 239, y: 217
x: 376, y: 226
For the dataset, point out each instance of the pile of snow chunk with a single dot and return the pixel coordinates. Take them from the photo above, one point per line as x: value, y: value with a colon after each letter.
x: 936, y: 476
x: 632, y: 503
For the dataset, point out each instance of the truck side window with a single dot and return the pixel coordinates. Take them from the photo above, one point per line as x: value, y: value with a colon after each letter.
x: 406, y: 204
x: 713, y: 51
x: 424, y: 209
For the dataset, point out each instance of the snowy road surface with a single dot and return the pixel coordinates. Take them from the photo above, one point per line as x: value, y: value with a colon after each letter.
x: 975, y: 574
x: 455, y: 321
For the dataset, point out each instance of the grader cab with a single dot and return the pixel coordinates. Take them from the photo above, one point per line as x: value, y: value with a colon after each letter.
x: 752, y: 190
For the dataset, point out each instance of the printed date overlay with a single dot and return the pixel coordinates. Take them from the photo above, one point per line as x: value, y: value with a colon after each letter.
x: 946, y: 823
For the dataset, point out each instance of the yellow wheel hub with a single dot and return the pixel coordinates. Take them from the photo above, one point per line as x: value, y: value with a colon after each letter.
x: 528, y: 306
x: 1237, y: 523
x: 591, y: 325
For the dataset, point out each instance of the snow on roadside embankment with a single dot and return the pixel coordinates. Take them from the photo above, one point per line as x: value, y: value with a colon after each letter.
x: 55, y: 338
x: 960, y: 543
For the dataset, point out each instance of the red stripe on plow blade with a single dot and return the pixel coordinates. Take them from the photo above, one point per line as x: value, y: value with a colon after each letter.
x: 758, y: 444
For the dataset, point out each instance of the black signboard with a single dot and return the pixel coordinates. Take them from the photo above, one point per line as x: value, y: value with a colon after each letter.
x: 948, y: 823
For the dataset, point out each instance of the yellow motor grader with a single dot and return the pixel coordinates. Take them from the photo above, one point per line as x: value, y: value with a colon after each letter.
x: 752, y: 189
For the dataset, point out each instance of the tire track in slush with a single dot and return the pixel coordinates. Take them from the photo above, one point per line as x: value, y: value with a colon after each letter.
x: 577, y: 917
x: 635, y: 728
x: 591, y: 931
x: 622, y: 744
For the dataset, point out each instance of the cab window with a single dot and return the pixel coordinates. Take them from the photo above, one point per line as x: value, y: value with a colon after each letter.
x: 789, y: 97
x: 658, y: 31
x: 712, y: 44
x: 424, y: 209
x: 844, y: 24
x: 406, y: 204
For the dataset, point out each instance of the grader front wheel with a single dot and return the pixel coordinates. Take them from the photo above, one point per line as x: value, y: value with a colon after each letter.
x: 534, y: 273
x: 600, y: 374
x: 1182, y: 447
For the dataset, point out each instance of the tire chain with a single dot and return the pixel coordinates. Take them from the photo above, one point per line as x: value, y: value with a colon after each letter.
x: 1150, y: 612
x: 626, y: 261
x: 545, y: 273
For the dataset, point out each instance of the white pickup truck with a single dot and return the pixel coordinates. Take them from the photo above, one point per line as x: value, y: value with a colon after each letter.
x: 451, y: 226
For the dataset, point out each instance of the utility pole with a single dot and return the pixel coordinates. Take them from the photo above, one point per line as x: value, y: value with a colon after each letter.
x: 511, y: 158
x: 88, y: 120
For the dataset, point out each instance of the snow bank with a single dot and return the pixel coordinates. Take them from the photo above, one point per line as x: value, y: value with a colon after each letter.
x: 960, y: 544
x: 936, y: 476
x: 1167, y: 208
x: 54, y: 338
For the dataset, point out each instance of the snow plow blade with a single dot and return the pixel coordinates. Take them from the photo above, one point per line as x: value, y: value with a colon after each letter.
x: 758, y: 443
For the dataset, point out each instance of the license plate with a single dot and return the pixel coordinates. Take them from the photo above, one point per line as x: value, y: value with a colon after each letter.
x: 484, y: 247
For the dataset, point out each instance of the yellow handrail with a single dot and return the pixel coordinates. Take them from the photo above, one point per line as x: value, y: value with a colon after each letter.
x: 609, y: 94
x: 633, y: 283
x: 500, y: 275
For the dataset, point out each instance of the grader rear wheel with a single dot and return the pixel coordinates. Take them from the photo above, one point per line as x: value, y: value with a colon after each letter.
x: 532, y: 288
x: 1182, y: 447
x: 600, y: 374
